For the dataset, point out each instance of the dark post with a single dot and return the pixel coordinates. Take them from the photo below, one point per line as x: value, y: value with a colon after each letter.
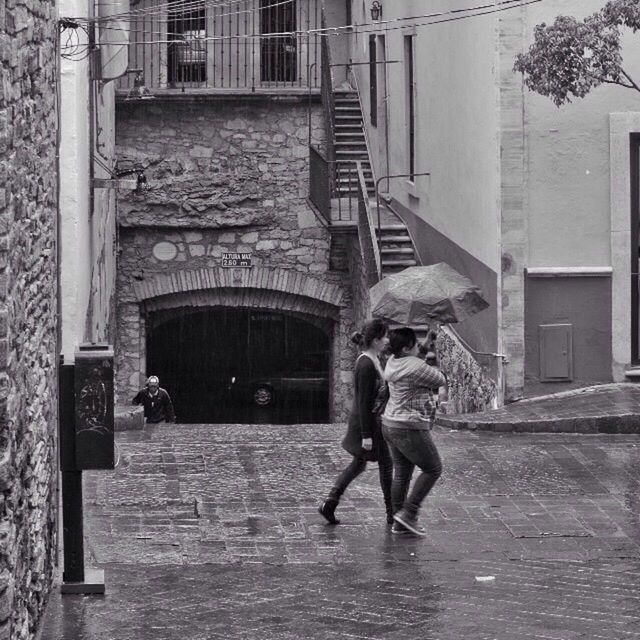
x: 86, y: 442
x: 71, y: 482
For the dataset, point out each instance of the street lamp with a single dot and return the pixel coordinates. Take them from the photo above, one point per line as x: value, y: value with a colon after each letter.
x: 376, y: 10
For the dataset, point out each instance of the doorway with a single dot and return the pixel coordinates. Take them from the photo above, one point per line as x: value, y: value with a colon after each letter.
x: 234, y: 365
x: 187, y: 47
x: 278, y: 54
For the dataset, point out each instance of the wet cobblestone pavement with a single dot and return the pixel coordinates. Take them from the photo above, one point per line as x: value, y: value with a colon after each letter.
x: 209, y: 531
x: 606, y: 408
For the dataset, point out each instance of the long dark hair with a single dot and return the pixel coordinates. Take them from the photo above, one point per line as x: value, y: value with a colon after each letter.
x: 372, y: 330
x: 400, y: 339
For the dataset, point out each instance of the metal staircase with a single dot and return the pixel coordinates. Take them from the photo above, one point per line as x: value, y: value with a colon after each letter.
x: 350, y: 144
x: 396, y: 247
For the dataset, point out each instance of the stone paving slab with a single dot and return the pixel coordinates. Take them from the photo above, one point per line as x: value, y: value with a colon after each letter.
x: 610, y: 408
x: 210, y: 531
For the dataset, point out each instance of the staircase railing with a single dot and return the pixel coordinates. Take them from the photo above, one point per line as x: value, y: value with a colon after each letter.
x: 365, y: 130
x: 320, y: 182
x: 367, y: 233
x: 326, y: 90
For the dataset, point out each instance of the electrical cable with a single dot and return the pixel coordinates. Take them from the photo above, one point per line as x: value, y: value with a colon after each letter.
x: 469, y: 12
x: 178, y: 5
x: 186, y: 5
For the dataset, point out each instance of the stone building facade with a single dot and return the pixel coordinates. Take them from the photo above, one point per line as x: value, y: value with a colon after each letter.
x: 28, y: 304
x: 225, y: 175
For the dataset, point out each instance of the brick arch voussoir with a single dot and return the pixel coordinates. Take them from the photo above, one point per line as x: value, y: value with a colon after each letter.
x: 258, y: 279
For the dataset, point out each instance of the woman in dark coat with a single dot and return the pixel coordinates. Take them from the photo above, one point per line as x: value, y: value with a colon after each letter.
x: 364, y: 439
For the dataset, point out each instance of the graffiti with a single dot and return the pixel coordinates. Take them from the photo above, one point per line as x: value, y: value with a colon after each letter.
x: 91, y: 404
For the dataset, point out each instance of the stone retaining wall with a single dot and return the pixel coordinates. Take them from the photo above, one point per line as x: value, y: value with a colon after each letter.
x: 28, y: 301
x: 471, y: 388
x: 223, y: 177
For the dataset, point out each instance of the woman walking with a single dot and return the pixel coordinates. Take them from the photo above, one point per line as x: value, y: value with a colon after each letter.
x: 406, y: 424
x: 364, y: 439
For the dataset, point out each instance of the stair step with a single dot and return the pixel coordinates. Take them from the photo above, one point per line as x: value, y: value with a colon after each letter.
x: 344, y: 173
x: 394, y: 228
x: 344, y: 179
x: 397, y: 239
x: 346, y: 164
x: 351, y: 143
x: 399, y: 263
x: 395, y: 250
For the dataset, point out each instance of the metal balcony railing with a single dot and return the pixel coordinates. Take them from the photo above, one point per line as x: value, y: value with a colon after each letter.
x: 367, y: 233
x: 320, y: 188
x: 245, y: 45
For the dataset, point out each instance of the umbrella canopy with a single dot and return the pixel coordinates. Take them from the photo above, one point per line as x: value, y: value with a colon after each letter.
x: 421, y: 295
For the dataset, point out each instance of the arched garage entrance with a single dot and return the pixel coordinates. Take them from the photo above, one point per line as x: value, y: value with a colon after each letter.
x: 158, y: 300
x: 225, y: 364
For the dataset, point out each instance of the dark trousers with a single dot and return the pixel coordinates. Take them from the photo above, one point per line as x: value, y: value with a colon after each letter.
x: 358, y: 465
x: 412, y: 448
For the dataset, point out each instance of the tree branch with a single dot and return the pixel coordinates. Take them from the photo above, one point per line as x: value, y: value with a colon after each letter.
x: 630, y: 79
x: 604, y: 80
x: 620, y: 84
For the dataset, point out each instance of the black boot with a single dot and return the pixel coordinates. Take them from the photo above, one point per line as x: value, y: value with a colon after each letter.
x: 389, y: 509
x: 328, y: 507
x: 390, y: 519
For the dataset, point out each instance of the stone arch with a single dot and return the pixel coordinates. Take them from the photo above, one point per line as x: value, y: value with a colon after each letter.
x: 274, y: 289
x: 254, y: 283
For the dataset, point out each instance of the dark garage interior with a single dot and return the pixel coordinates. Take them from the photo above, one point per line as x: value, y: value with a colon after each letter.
x: 237, y: 365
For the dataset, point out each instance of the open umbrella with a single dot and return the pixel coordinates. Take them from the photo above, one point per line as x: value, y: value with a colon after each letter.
x: 421, y: 295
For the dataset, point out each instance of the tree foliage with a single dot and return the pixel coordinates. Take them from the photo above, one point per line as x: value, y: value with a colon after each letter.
x: 569, y: 58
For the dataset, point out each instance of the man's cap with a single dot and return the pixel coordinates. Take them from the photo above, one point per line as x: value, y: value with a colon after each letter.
x: 153, y: 380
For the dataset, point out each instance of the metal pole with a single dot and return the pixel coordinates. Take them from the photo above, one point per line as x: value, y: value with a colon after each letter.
x: 73, y: 540
x: 75, y: 578
x: 389, y: 177
x: 309, y: 97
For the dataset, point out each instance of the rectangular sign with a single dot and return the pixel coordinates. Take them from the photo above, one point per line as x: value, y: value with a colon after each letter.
x: 236, y: 259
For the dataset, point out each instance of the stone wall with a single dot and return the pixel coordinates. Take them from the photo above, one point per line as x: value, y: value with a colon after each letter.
x: 470, y: 386
x: 359, y: 284
x: 28, y: 302
x: 223, y: 177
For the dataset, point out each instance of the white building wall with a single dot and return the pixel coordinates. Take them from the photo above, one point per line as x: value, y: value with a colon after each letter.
x: 457, y: 123
x: 75, y: 231
x: 567, y: 162
x: 87, y: 233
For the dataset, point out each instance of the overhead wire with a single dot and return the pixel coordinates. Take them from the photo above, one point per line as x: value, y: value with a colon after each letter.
x: 184, y: 6
x: 378, y: 27
x: 180, y: 5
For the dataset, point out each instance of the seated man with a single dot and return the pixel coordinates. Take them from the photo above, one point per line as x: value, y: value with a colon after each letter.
x: 156, y: 402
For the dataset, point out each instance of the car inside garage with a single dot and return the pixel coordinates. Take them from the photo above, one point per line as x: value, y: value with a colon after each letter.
x: 239, y: 365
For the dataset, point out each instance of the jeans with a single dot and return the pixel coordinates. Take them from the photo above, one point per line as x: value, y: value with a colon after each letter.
x: 411, y: 448
x: 358, y: 465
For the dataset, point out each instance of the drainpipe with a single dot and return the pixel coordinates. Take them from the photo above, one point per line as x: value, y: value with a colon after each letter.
x: 309, y: 98
x: 93, y: 67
